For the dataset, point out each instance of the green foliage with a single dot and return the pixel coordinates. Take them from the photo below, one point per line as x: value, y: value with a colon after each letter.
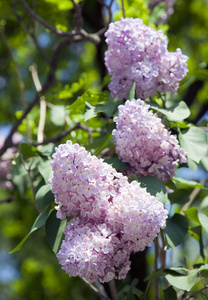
x: 78, y: 110
x: 176, y: 230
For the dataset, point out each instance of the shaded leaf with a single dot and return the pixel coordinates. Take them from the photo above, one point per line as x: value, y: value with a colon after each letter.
x: 155, y: 187
x: 28, y: 151
x: 45, y: 169
x: 39, y: 222
x: 180, y: 197
x: 170, y: 293
x: 116, y: 163
x: 176, y: 230
x: 54, y: 231
x: 44, y: 196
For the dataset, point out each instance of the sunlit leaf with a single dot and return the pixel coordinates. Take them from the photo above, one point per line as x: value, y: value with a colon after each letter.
x: 194, y: 142
x: 132, y: 92
x: 196, y: 233
x: 177, y: 112
x: 185, y: 184
x: 184, y: 283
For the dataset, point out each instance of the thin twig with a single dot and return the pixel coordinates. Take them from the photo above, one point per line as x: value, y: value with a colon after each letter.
x: 113, y: 291
x: 8, y: 200
x: 48, y: 83
x: 74, y: 35
x: 60, y: 136
x: 163, y: 252
x: 192, y: 196
x: 123, y: 8
x: 78, y: 14
x: 108, y: 8
x: 156, y: 282
x: 41, y: 125
x: 96, y: 291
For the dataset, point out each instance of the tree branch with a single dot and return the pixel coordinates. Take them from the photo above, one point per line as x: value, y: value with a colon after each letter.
x: 60, y: 136
x: 74, y: 35
x: 48, y: 83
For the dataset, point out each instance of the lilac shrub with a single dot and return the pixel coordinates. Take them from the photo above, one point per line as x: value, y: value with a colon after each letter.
x: 139, y: 53
x: 112, y: 217
x: 143, y: 141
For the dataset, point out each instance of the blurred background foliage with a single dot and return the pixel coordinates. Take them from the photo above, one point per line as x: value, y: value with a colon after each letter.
x: 34, y: 273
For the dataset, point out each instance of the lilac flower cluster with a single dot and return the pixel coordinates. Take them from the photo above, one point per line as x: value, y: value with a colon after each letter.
x: 139, y: 53
x: 112, y: 217
x: 5, y: 162
x: 143, y: 141
x: 169, y: 8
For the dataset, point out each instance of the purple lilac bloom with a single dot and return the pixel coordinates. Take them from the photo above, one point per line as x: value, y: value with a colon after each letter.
x: 115, y: 219
x: 143, y: 141
x: 139, y: 53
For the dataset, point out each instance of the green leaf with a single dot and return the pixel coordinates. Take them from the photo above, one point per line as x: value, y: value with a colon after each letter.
x: 182, y: 125
x: 194, y: 142
x: 28, y: 151
x: 39, y: 222
x: 177, y: 112
x: 197, y: 235
x: 107, y: 107
x: 44, y: 196
x: 203, y: 220
x: 116, y: 163
x: 185, y: 184
x: 78, y: 106
x: 132, y: 92
x: 170, y: 293
x: 203, y: 270
x: 54, y: 231
x: 176, y: 230
x: 45, y: 169
x: 176, y: 270
x: 192, y: 214
x: 180, y: 197
x: 191, y: 164
x: 184, y: 283
x: 154, y: 275
x: 155, y: 187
